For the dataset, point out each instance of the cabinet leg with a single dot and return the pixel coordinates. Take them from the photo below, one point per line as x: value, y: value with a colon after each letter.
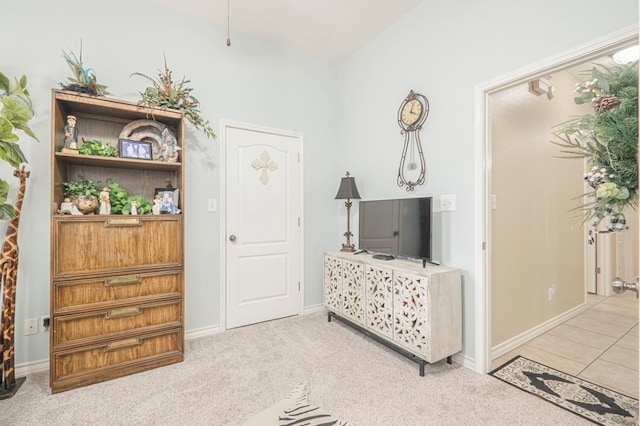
x: 329, y: 315
x: 422, y: 364
x: 449, y: 360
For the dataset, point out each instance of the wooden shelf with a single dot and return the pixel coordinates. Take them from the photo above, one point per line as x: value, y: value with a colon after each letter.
x: 121, y: 163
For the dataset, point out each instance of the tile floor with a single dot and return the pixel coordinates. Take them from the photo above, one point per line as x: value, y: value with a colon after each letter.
x: 599, y: 345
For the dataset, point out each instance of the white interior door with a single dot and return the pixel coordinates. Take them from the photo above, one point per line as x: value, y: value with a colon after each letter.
x: 262, y: 231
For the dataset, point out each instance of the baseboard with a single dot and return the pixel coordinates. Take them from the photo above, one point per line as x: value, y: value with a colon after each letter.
x: 521, y: 339
x: 199, y: 333
x: 464, y: 361
x: 314, y: 309
x: 32, y: 367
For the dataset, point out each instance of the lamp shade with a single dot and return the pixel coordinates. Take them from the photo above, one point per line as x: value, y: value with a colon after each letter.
x: 348, y: 189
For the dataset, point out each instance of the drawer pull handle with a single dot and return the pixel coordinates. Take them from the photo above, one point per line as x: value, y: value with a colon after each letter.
x: 127, y: 279
x: 128, y: 221
x: 112, y: 346
x: 122, y: 312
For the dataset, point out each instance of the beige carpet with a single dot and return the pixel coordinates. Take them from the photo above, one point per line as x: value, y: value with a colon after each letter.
x: 227, y: 378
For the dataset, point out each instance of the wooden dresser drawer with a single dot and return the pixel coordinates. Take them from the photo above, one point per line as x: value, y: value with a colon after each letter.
x: 116, y: 289
x: 124, y: 321
x: 99, y: 244
x: 95, y: 363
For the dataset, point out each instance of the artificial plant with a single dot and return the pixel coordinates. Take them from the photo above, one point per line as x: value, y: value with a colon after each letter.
x: 607, y: 138
x: 84, y: 80
x: 167, y: 93
x: 16, y: 112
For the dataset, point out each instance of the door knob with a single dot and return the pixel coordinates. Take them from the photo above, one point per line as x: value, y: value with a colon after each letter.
x: 232, y: 237
x: 619, y: 286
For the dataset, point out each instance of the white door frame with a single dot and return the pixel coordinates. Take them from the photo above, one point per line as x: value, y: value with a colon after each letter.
x: 482, y: 179
x: 224, y: 125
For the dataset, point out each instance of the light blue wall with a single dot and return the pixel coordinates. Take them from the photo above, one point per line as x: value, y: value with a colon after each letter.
x: 252, y: 81
x: 444, y: 50
x: 441, y: 49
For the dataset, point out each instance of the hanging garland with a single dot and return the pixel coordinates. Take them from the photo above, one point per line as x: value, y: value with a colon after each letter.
x: 608, y: 139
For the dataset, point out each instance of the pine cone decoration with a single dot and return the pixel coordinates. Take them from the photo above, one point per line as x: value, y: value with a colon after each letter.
x: 604, y: 103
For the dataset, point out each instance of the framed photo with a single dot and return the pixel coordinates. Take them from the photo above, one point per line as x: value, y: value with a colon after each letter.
x: 135, y: 149
x: 166, y: 200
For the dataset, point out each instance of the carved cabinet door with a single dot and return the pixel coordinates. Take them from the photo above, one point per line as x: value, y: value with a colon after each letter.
x: 410, y: 312
x: 379, y: 300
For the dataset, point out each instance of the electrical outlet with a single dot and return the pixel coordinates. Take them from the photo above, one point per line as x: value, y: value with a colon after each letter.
x: 30, y: 326
x: 448, y: 203
x: 45, y: 323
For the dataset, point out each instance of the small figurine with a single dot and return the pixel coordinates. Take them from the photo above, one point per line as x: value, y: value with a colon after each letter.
x: 87, y: 205
x: 66, y: 207
x: 169, y: 147
x: 71, y: 133
x: 105, y: 204
x: 157, y: 204
x: 74, y: 210
x: 134, y: 207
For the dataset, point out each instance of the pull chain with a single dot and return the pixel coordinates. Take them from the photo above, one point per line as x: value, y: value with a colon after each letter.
x: 228, y: 38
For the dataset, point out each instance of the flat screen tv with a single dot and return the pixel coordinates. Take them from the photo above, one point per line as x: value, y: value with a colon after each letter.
x: 399, y: 227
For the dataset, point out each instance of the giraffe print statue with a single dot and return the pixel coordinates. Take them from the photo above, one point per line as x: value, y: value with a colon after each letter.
x: 8, y: 280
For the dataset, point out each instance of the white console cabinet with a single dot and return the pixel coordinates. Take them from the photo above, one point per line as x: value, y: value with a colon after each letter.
x: 415, y: 310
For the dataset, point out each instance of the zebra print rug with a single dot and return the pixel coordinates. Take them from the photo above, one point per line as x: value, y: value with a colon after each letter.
x: 593, y: 402
x: 295, y: 410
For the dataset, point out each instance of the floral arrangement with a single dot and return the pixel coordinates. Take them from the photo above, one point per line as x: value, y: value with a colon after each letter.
x: 166, y: 93
x: 608, y: 138
x: 84, y: 80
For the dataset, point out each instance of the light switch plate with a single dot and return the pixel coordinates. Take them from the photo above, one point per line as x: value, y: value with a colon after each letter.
x: 212, y: 205
x: 448, y: 203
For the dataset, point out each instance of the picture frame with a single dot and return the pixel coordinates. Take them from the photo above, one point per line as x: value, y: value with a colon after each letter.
x: 169, y: 200
x: 137, y: 150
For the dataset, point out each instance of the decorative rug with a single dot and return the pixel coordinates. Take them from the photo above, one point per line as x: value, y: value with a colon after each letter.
x: 294, y: 410
x: 593, y: 402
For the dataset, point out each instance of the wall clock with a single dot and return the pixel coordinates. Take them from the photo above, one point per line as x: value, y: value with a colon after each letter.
x: 412, y: 113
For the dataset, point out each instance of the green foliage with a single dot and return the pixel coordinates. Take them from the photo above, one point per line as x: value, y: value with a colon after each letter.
x: 166, y: 93
x: 95, y: 147
x: 16, y: 112
x: 142, y: 205
x: 81, y: 187
x: 118, y: 196
x: 121, y: 201
x: 608, y: 138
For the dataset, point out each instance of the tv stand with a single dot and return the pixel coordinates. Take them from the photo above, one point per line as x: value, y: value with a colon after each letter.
x: 415, y: 309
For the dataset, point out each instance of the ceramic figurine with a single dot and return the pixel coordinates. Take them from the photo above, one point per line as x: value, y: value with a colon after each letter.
x: 157, y: 204
x: 66, y: 207
x: 71, y: 133
x: 134, y: 207
x: 105, y: 204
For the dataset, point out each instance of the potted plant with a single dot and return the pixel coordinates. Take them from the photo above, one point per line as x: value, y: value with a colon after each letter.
x: 83, y: 193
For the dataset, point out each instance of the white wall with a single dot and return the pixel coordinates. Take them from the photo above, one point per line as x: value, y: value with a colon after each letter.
x: 252, y: 81
x: 443, y: 50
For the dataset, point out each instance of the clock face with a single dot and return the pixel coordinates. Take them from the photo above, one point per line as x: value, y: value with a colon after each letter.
x: 411, y: 112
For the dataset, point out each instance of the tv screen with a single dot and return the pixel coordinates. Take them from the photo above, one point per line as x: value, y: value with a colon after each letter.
x: 399, y: 227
